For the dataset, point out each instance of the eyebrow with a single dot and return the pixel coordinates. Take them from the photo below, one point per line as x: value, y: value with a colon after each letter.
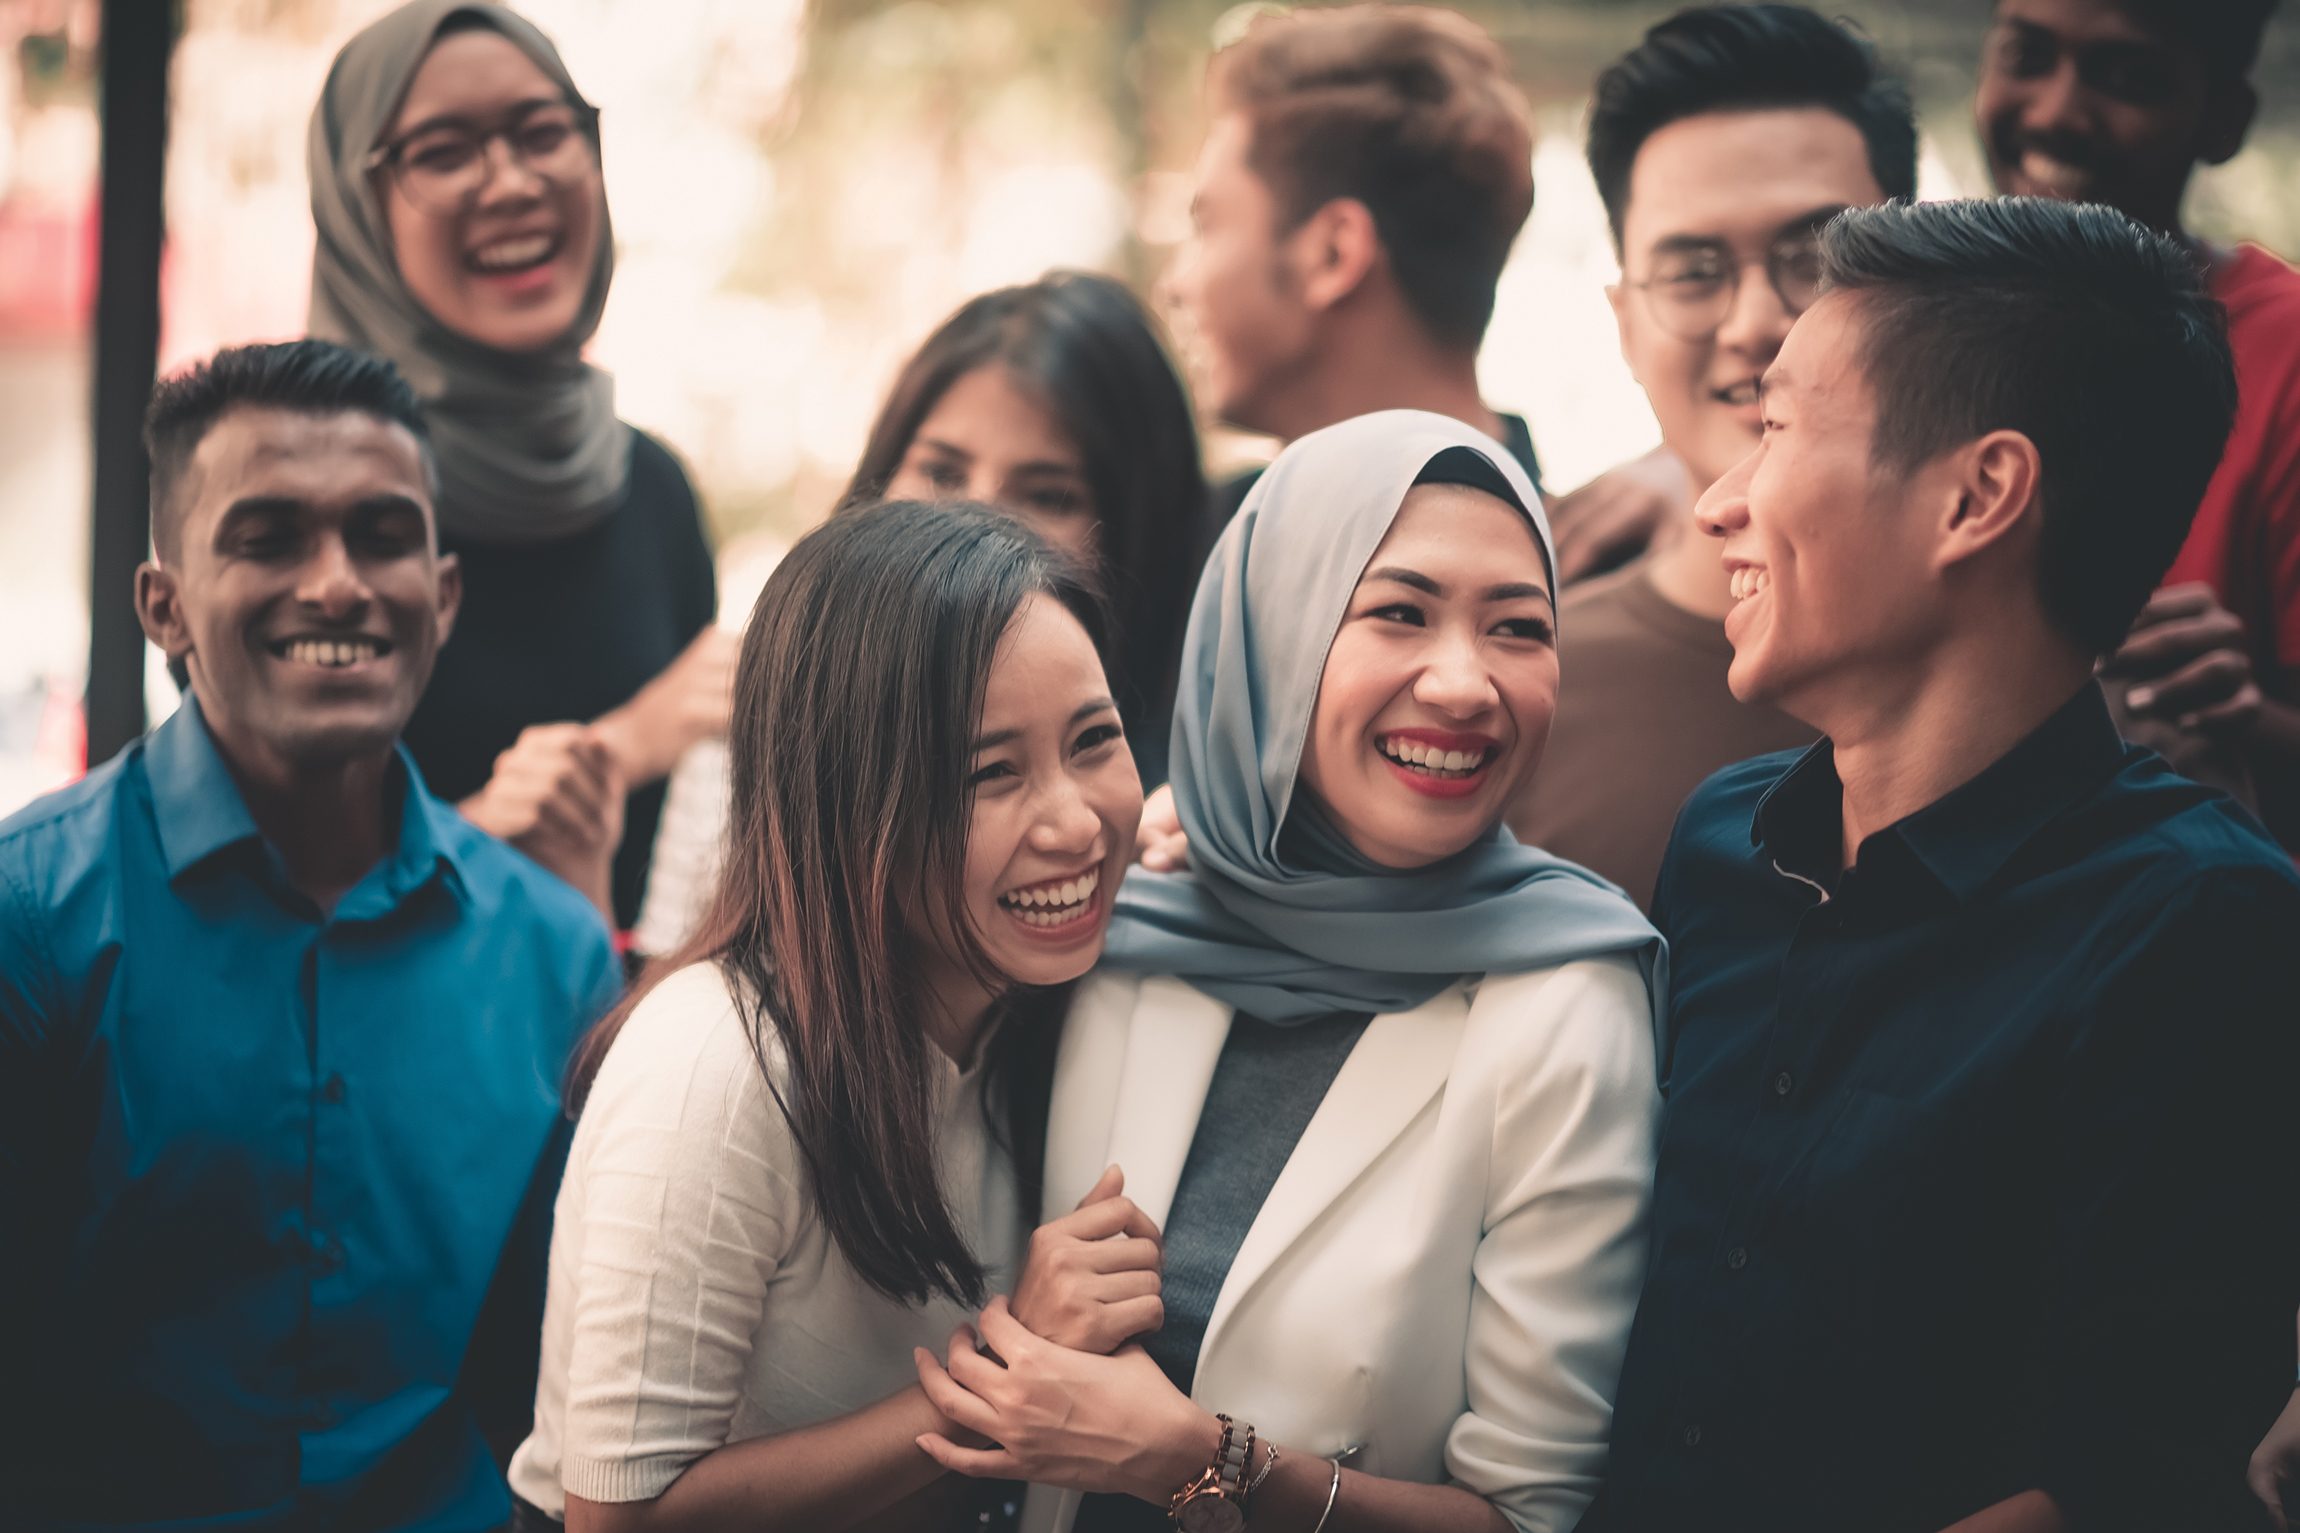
x: 1514, y: 590
x: 1802, y: 223
x: 1000, y: 737
x: 1034, y: 466
x: 251, y: 507
x: 517, y: 110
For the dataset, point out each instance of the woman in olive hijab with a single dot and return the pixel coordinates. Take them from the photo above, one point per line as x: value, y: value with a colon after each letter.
x: 463, y: 233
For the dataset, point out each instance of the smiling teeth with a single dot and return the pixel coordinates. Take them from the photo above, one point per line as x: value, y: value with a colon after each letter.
x: 1748, y: 581
x: 1054, y: 904
x: 507, y: 255
x: 1428, y: 759
x: 332, y: 654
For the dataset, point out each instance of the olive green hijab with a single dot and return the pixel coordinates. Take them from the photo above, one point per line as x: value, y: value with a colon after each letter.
x: 528, y: 444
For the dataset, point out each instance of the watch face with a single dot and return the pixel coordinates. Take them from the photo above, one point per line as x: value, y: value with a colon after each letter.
x: 1210, y: 1514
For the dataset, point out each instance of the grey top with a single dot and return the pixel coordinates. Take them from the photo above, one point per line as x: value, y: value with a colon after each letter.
x: 1266, y: 1088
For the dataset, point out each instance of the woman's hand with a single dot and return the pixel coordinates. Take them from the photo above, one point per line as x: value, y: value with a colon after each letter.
x: 1160, y: 845
x: 1091, y: 1279
x: 1063, y: 1417
x: 689, y: 701
x: 2274, y: 1474
x: 556, y: 796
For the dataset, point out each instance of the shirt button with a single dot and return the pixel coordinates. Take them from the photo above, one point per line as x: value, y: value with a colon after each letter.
x: 1693, y: 1437
x: 333, y: 1090
x: 323, y: 1416
x: 326, y: 1254
x: 1737, y: 1258
x: 1784, y: 1083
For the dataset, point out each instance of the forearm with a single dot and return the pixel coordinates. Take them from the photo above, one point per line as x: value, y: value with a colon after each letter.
x: 827, y: 1476
x: 2032, y: 1511
x: 1296, y: 1493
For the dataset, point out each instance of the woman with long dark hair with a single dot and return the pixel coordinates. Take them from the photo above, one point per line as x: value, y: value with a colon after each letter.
x: 1055, y: 401
x: 798, y: 1145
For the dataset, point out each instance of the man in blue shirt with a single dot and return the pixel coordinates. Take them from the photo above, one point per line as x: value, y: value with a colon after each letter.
x: 1973, y: 1200
x: 280, y: 1035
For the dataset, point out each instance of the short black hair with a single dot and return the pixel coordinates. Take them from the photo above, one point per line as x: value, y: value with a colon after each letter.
x: 1730, y: 58
x: 2073, y: 325
x: 2226, y: 32
x: 314, y: 377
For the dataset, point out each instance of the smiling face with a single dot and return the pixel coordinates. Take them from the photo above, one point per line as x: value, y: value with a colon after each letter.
x: 1708, y: 195
x: 1435, y: 702
x: 990, y: 439
x: 306, y: 593
x: 1239, y: 307
x: 1831, y: 581
x: 1056, y: 802
x: 509, y: 267
x: 2079, y: 102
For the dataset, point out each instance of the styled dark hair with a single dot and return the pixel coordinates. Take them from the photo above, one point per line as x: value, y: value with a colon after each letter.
x: 2076, y: 327
x: 857, y: 697
x: 1409, y: 110
x: 1083, y: 345
x: 1730, y: 58
x: 313, y: 377
x: 2226, y: 32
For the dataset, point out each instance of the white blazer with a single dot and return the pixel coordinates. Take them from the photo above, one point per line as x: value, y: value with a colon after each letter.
x: 1444, y: 1273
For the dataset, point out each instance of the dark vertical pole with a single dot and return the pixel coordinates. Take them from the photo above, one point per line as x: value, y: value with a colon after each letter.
x: 137, y: 38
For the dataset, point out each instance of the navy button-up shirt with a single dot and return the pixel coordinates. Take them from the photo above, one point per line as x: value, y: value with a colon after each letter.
x: 260, y: 1166
x: 1977, y: 1161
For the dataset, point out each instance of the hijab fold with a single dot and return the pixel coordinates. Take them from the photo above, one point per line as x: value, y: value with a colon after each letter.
x: 1279, y: 915
x: 528, y: 445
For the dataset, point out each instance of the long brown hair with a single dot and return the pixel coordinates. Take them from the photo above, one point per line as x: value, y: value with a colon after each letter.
x: 857, y: 698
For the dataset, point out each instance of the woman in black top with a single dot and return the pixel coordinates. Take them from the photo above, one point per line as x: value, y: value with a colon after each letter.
x: 1055, y: 401
x: 463, y: 233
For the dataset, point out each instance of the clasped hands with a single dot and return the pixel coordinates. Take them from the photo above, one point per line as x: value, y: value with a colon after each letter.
x: 1065, y: 1395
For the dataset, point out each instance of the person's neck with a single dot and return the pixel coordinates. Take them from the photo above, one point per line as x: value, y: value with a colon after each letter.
x: 1687, y: 569
x: 1366, y: 363
x: 1906, y: 737
x: 330, y: 819
x: 958, y: 1006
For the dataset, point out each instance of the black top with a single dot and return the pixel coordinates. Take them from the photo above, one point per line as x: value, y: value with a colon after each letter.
x: 1266, y: 1088
x: 1231, y: 493
x: 1976, y: 1161
x: 567, y: 631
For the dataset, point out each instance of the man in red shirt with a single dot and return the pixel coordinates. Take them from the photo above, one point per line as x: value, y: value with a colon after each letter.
x: 2118, y: 101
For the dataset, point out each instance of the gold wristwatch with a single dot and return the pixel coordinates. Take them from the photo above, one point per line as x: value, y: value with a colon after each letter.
x: 1215, y: 1502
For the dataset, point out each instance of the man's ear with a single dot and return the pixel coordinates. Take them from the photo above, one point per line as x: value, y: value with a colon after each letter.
x: 2226, y: 122
x: 450, y: 593
x: 1989, y: 491
x: 160, y: 608
x: 1618, y: 295
x: 1333, y: 250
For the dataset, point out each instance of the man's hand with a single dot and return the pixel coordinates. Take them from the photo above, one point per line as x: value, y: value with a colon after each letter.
x: 2275, y: 1471
x: 689, y: 701
x: 1611, y: 519
x: 1091, y: 1279
x: 2187, y: 662
x: 1160, y: 845
x: 556, y: 796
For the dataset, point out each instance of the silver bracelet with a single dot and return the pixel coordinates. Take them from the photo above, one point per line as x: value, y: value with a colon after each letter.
x: 1332, y: 1492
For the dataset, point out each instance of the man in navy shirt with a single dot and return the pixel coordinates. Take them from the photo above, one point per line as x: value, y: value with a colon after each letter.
x: 280, y: 1034
x: 1972, y: 1207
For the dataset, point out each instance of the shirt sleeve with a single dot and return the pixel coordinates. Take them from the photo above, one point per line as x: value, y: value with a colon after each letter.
x: 688, y: 1196
x: 29, y: 1001
x: 1563, y: 1256
x: 2178, y: 1254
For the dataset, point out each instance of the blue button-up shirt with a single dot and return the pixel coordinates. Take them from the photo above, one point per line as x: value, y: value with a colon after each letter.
x: 260, y: 1165
x: 1976, y: 1164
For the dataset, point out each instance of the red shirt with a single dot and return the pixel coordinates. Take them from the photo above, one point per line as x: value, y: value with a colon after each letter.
x: 2245, y: 542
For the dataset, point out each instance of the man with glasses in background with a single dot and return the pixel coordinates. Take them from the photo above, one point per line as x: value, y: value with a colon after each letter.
x: 1720, y: 145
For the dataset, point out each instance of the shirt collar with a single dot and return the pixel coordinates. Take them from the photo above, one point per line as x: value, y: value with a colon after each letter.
x: 200, y: 812
x: 1964, y: 837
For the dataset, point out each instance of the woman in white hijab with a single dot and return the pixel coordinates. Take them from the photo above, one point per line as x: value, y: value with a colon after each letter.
x: 1382, y: 1078
x: 463, y: 233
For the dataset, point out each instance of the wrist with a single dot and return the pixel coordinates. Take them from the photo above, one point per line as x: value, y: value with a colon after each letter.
x: 1178, y: 1454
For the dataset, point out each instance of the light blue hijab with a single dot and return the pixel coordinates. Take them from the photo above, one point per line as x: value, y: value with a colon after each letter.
x: 1279, y: 915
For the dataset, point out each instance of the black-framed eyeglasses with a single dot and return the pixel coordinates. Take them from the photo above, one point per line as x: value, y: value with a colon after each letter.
x: 442, y: 166
x: 1692, y: 289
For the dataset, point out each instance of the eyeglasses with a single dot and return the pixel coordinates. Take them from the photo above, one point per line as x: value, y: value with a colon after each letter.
x: 1692, y: 291
x: 443, y: 167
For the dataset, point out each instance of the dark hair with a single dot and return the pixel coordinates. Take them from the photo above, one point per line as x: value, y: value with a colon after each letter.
x: 312, y: 377
x: 1083, y: 345
x: 2226, y: 32
x: 1732, y: 58
x: 857, y: 696
x: 2074, y: 326
x: 1409, y: 110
